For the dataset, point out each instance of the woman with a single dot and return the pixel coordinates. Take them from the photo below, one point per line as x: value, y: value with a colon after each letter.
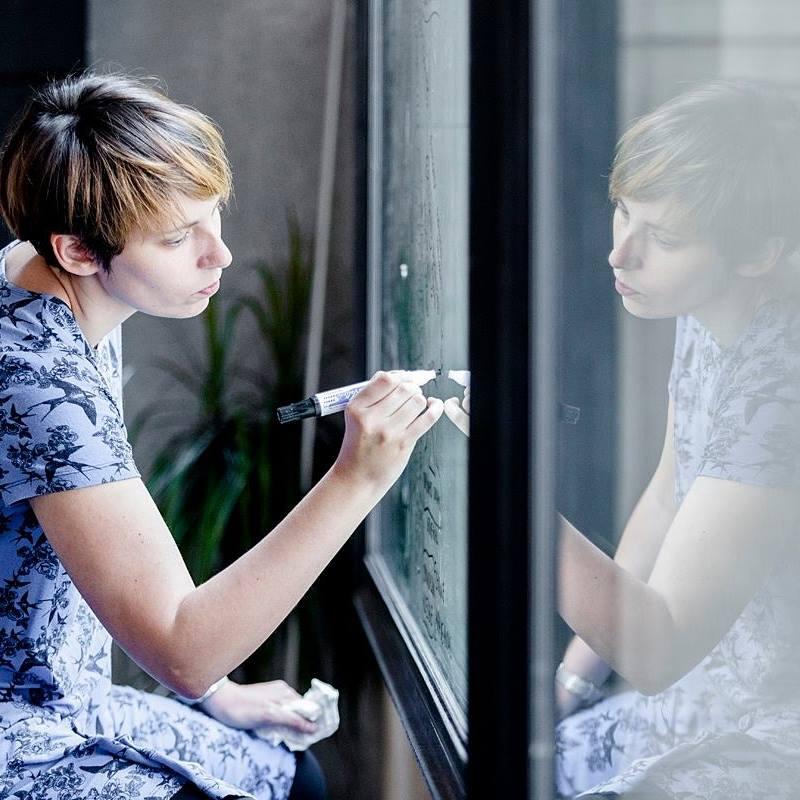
x: 114, y: 194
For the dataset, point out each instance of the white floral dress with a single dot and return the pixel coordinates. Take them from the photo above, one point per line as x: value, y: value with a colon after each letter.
x: 731, y: 727
x: 65, y: 731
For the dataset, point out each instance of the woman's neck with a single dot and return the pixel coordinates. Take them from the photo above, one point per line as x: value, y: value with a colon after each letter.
x: 26, y: 269
x: 731, y: 314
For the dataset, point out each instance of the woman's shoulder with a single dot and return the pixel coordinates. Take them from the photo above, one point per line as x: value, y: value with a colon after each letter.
x: 773, y: 338
x: 61, y: 426
x: 39, y: 328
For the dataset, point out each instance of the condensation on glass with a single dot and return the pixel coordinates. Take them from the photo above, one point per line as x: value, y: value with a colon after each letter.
x: 418, y: 318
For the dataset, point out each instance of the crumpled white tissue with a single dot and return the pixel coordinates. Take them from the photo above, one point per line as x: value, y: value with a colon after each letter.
x: 320, y: 704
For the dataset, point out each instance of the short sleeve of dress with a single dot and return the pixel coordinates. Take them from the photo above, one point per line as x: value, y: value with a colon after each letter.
x: 60, y: 427
x: 754, y: 421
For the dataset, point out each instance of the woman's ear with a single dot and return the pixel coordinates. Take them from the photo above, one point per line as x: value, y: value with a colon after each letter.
x: 73, y: 255
x: 765, y: 260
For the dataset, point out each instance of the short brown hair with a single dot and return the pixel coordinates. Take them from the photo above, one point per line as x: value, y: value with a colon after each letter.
x: 728, y: 153
x: 97, y: 155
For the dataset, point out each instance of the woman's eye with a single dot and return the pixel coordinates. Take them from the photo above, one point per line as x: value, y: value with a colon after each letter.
x: 664, y: 242
x: 178, y: 241
x: 621, y: 210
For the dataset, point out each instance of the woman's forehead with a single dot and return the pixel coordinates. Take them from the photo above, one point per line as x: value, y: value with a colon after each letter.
x: 668, y: 213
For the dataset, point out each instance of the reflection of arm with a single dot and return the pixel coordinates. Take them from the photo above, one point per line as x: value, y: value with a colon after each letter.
x: 637, y: 552
x: 648, y: 524
x: 723, y: 542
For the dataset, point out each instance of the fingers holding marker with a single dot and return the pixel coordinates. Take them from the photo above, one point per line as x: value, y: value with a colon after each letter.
x: 407, y: 398
x: 424, y: 421
x: 423, y: 413
x: 381, y: 413
x: 403, y: 382
x: 396, y: 411
x: 379, y: 386
x: 400, y: 405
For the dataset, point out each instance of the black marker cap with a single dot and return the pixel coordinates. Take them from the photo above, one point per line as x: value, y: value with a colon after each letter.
x: 301, y: 410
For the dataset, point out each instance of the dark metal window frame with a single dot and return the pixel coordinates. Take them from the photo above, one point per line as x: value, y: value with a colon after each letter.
x: 503, y: 402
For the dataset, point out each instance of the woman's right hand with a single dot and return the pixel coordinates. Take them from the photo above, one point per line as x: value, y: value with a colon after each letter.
x: 383, y: 423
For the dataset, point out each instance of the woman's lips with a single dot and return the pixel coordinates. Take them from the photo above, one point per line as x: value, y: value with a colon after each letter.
x: 624, y: 290
x: 209, y: 290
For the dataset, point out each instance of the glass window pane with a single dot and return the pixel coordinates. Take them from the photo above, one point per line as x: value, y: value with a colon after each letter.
x: 418, y: 274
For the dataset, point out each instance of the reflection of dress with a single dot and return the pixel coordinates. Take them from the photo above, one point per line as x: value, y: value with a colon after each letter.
x: 65, y: 731
x: 731, y: 727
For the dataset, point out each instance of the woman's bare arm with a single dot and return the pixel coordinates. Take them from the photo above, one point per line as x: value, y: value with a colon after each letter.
x: 117, y: 549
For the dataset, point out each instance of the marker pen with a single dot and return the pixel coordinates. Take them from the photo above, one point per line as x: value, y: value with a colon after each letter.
x: 333, y: 400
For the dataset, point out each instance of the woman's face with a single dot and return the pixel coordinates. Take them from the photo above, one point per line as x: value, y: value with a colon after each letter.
x: 660, y: 272
x: 171, y: 273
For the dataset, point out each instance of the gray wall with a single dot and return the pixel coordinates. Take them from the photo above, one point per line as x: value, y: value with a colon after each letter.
x: 258, y: 68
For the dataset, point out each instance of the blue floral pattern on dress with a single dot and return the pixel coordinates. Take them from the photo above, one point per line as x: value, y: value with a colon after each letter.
x: 730, y: 727
x: 65, y: 731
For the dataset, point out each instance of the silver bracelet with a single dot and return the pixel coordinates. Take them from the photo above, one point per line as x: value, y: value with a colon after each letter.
x: 584, y: 690
x: 212, y: 690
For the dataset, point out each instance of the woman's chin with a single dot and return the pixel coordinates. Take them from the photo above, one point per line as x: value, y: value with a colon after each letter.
x: 636, y: 308
x: 179, y: 312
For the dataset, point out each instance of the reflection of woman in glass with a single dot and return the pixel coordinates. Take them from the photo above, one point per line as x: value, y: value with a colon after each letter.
x: 699, y: 609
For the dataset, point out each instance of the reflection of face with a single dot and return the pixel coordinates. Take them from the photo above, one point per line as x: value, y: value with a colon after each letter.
x: 660, y: 272
x: 171, y: 273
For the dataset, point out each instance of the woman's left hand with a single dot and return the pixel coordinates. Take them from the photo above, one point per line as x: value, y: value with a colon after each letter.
x: 255, y: 705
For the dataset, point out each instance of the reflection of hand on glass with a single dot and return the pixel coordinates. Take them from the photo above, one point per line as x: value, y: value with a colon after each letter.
x: 458, y: 412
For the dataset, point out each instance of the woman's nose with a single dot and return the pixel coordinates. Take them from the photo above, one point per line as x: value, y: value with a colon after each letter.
x: 622, y: 255
x: 219, y: 256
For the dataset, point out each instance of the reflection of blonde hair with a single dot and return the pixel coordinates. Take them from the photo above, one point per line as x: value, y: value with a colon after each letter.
x: 97, y: 156
x: 728, y: 154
